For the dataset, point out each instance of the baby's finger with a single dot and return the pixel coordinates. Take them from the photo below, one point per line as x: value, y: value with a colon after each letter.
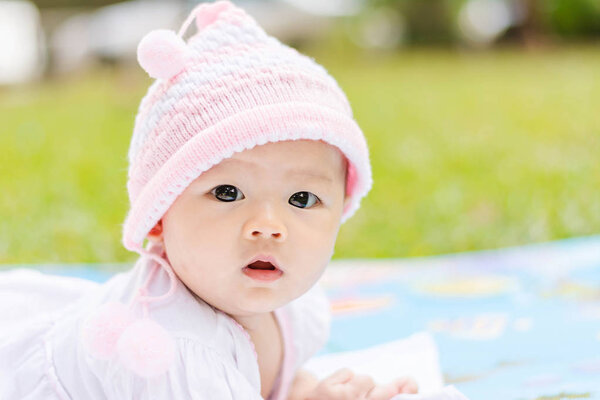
x: 360, y: 386
x: 406, y: 385
x: 382, y: 392
x: 340, y: 376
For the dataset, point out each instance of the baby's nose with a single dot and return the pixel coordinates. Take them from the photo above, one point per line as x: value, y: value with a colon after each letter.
x: 264, y: 232
x: 265, y: 227
x: 267, y: 231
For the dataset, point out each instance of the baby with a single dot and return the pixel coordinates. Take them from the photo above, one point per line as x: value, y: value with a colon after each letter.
x: 244, y: 161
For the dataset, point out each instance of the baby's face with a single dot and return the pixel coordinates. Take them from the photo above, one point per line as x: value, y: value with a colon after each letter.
x: 283, y: 200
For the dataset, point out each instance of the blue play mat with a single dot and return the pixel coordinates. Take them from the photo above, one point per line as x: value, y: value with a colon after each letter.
x: 518, y: 323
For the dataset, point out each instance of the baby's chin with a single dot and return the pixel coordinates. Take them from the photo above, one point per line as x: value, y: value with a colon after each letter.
x: 262, y: 304
x: 255, y: 303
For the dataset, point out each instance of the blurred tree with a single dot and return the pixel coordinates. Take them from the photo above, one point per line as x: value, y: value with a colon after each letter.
x: 572, y: 18
x: 532, y: 29
x: 546, y: 20
x: 536, y: 21
x: 73, y: 3
x: 427, y: 21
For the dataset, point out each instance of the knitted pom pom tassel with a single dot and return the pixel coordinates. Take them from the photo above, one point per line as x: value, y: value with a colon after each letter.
x: 162, y: 53
x: 101, y: 331
x: 146, y: 348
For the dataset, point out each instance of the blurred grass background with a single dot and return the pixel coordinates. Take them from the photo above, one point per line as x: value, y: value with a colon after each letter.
x: 470, y: 150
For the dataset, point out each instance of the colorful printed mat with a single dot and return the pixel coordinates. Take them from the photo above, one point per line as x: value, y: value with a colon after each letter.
x: 520, y: 323
x: 511, y: 324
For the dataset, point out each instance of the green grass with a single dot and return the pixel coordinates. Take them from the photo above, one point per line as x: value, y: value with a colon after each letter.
x: 469, y: 151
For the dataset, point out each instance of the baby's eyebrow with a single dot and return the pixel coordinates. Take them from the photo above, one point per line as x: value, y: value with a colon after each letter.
x: 301, y: 171
x: 310, y: 173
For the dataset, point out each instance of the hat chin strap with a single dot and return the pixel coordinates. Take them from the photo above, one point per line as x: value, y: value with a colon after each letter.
x: 113, y: 332
x: 153, y: 252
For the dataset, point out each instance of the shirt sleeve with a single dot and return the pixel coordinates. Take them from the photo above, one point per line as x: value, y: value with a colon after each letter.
x: 198, y: 372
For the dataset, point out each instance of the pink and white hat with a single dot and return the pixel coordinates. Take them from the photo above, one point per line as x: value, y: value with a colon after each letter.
x: 229, y: 88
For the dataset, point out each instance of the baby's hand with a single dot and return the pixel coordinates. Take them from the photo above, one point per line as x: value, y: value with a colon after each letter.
x: 345, y: 385
x: 389, y: 390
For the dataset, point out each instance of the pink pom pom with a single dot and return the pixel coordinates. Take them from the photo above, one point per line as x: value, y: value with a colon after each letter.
x: 210, y: 13
x: 162, y: 53
x: 146, y: 348
x: 101, y: 331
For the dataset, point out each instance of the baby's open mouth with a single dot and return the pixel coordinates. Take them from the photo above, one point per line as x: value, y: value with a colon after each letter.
x: 262, y: 265
x: 263, y: 268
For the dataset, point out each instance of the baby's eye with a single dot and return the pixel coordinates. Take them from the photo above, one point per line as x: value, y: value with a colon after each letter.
x: 227, y: 193
x: 303, y: 199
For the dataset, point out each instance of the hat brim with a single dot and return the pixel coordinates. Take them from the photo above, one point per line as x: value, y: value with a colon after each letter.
x: 257, y: 126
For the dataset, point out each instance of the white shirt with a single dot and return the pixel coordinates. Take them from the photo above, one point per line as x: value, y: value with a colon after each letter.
x: 42, y: 355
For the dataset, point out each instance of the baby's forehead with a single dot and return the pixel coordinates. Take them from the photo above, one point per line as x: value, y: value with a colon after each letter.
x: 288, y: 161
x: 291, y: 155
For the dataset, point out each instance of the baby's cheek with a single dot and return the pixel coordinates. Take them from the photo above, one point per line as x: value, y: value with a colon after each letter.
x: 325, y: 239
x: 187, y: 268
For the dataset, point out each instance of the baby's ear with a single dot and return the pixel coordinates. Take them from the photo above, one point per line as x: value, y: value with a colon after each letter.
x: 156, y: 233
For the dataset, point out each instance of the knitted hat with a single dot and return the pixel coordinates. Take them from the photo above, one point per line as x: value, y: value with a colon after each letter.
x: 229, y: 88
